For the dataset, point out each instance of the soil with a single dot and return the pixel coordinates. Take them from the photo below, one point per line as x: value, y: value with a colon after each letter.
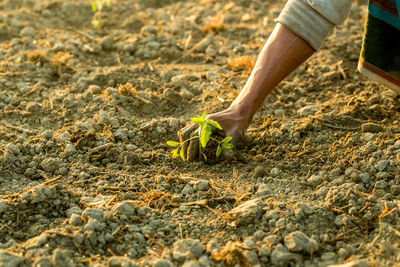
x: 86, y: 177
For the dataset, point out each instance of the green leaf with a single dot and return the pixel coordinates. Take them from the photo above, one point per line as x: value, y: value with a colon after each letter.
x: 227, y: 139
x: 227, y: 145
x: 205, y: 135
x: 204, y: 156
x: 182, y: 154
x: 108, y: 3
x: 219, y: 150
x: 198, y: 120
x: 94, y: 6
x: 174, y: 153
x: 214, y: 123
x: 95, y: 23
x: 204, y: 115
x: 173, y: 144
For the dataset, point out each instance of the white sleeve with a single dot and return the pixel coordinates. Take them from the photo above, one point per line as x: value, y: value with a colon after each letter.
x: 313, y: 20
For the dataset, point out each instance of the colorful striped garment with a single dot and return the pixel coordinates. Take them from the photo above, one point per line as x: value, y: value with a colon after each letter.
x: 380, y: 53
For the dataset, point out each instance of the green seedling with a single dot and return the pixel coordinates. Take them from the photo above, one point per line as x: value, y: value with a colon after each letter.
x: 205, y: 130
x: 97, y: 7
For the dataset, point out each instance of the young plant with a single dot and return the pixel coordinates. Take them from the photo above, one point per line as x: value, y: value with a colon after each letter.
x: 205, y: 130
x: 97, y: 7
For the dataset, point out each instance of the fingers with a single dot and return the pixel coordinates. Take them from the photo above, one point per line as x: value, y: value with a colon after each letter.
x: 184, y: 134
x: 193, y: 150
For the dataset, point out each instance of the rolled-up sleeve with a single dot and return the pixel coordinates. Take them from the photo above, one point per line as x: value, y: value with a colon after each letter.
x: 313, y: 20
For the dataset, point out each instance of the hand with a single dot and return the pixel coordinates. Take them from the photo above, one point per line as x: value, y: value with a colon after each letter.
x: 233, y: 124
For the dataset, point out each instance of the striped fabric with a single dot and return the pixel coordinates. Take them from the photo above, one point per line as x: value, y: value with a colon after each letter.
x: 380, y: 53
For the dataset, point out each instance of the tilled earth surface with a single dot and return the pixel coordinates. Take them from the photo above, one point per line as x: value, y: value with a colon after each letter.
x: 86, y: 177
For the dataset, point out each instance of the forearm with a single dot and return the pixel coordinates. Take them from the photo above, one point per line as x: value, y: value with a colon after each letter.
x: 303, y: 26
x: 282, y: 53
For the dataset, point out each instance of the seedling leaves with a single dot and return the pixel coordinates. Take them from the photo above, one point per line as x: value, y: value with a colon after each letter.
x: 205, y: 135
x: 173, y: 143
x: 219, y: 150
x: 214, y: 123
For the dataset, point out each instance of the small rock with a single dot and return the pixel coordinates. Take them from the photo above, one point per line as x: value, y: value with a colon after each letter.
x: 190, y: 264
x: 95, y: 89
x: 69, y: 149
x: 48, y: 134
x: 75, y: 220
x: 297, y: 241
x: 307, y: 110
x: 50, y: 164
x: 275, y: 172
x: 281, y: 255
x: 120, y: 261
x: 188, y: 190
x: 174, y: 123
x: 259, y: 171
x: 27, y: 32
x: 163, y: 263
x: 181, y: 247
x: 212, y: 246
x: 381, y: 165
x: 42, y: 262
x: 314, y: 180
x: 360, y: 263
x: 94, y: 213
x: 10, y: 260
x: 186, y: 94
x: 3, y: 205
x: 74, y: 210
x: 248, y: 211
x: 33, y: 107
x: 371, y: 128
x: 11, y: 148
x: 107, y: 43
x: 61, y: 259
x: 127, y: 208
x: 201, y: 186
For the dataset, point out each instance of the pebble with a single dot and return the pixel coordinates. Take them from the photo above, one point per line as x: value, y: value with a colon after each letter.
x: 248, y: 211
x: 127, y: 208
x: 95, y: 89
x: 201, y: 185
x: 93, y: 213
x: 371, y: 128
x: 381, y: 165
x: 10, y: 260
x: 360, y: 263
x: 163, y: 263
x: 190, y: 264
x: 120, y: 261
x: 314, y: 180
x: 48, y: 134
x: 174, y: 123
x: 51, y: 164
x: 69, y: 149
x: 27, y: 32
x: 281, y: 255
x: 298, y: 242
x: 259, y: 171
x: 3, y: 205
x: 188, y: 190
x: 107, y: 43
x: 275, y: 172
x: 186, y: 94
x: 75, y: 220
x: 181, y: 247
x: 33, y: 107
x: 11, y: 148
x: 307, y: 110
x: 60, y: 258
